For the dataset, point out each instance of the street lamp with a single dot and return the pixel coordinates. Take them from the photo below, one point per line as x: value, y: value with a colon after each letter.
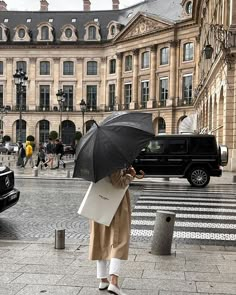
x: 61, y: 99
x: 20, y: 82
x: 3, y: 111
x: 83, y: 109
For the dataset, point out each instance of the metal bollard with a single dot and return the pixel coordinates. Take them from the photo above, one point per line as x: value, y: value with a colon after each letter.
x: 36, y: 172
x: 59, y: 238
x: 68, y: 174
x: 163, y: 233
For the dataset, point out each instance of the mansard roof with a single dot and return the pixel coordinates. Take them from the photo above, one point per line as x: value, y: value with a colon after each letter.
x: 164, y: 9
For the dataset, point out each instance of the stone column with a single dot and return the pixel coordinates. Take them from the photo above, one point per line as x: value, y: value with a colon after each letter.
x: 79, y: 87
x: 10, y: 98
x: 119, y: 81
x: 134, y: 101
x: 103, y: 92
x: 172, y: 81
x: 31, y: 98
x: 56, y: 79
x: 152, y: 99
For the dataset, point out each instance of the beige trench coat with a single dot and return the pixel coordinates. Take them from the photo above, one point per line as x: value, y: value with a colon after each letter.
x: 112, y: 241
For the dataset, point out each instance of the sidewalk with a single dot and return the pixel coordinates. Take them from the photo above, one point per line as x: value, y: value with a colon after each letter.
x: 35, y: 268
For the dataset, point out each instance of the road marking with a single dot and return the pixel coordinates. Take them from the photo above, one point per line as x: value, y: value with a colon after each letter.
x: 186, y: 203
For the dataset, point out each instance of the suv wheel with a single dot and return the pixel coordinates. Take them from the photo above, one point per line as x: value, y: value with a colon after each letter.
x: 198, y: 177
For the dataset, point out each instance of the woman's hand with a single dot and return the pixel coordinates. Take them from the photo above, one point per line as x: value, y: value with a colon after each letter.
x: 131, y: 171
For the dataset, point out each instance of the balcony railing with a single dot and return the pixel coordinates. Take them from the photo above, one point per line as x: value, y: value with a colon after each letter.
x: 17, y: 108
x: 184, y: 102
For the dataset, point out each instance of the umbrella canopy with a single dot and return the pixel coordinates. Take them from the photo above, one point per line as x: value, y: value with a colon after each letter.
x: 112, y: 145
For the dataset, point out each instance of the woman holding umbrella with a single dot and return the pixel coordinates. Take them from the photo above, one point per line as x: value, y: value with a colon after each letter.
x: 111, y: 243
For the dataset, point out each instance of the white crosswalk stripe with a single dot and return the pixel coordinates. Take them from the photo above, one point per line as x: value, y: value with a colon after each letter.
x: 206, y: 215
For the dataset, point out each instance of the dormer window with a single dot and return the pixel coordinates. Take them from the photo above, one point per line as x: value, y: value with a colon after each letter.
x: 3, y: 35
x: 21, y: 33
x: 28, y: 20
x: 68, y: 33
x: 44, y: 33
x: 92, y: 33
x: 73, y: 20
x: 50, y: 20
x: 189, y: 7
x: 113, y: 29
x: 5, y: 20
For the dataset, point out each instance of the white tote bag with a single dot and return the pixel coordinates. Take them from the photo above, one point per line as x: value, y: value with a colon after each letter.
x: 101, y: 201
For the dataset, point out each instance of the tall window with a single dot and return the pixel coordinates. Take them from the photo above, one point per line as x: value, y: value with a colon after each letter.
x: 144, y: 93
x: 23, y: 130
x: 113, y: 30
x: 44, y: 68
x: 21, y: 65
x: 68, y: 104
x: 68, y: 68
x: 164, y: 56
x: 44, y: 101
x: 187, y: 88
x: 1, y: 33
x: 112, y: 68
x: 128, y: 63
x: 112, y: 96
x: 145, y: 60
x: 1, y: 95
x: 92, y: 33
x: 1, y: 67
x: 44, y: 33
x: 91, y: 68
x: 91, y: 97
x: 188, y: 51
x: 163, y: 91
x: 43, y: 131
x: 128, y: 95
x: 21, y: 100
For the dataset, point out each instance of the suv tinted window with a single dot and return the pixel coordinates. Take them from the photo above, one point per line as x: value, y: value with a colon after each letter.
x: 203, y: 146
x: 155, y: 147
x: 177, y: 146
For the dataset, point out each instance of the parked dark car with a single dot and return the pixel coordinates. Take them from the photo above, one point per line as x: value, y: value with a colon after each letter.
x: 195, y: 157
x: 3, y: 149
x: 9, y: 196
x: 69, y: 149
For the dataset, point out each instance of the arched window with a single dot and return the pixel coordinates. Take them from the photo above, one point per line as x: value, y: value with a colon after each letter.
x: 44, y: 33
x: 92, y: 33
x: 161, y: 125
x: 43, y: 131
x: 23, y: 130
x: 0, y: 33
x: 68, y: 132
x: 113, y: 30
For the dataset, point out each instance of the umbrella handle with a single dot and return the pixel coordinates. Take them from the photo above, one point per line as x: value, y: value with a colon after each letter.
x: 140, y: 176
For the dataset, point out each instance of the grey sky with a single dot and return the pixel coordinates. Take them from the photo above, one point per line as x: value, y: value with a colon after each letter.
x: 66, y: 4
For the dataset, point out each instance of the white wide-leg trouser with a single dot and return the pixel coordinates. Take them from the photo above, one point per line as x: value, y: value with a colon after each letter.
x: 102, y: 268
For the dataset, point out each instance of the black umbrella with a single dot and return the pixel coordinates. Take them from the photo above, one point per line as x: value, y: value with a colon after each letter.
x: 112, y: 145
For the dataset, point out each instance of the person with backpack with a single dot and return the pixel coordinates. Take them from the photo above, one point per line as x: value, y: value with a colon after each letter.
x: 29, y: 154
x: 21, y: 155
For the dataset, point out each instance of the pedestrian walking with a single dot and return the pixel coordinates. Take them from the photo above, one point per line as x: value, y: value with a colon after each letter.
x: 109, y: 245
x: 59, y: 152
x: 29, y: 154
x: 21, y: 155
x: 50, y: 152
x: 41, y: 157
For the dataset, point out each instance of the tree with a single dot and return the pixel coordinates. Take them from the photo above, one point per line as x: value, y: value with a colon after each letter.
x: 53, y: 135
x: 78, y: 135
x: 30, y: 138
x: 6, y: 138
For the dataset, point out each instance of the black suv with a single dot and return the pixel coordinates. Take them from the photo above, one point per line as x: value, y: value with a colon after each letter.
x: 195, y: 157
x: 9, y: 196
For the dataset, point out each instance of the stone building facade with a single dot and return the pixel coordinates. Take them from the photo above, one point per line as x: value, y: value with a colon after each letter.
x: 147, y: 57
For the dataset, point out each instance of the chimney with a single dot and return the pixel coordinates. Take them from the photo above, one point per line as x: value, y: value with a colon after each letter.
x: 3, y: 6
x: 87, y: 4
x: 43, y: 5
x: 115, y: 4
